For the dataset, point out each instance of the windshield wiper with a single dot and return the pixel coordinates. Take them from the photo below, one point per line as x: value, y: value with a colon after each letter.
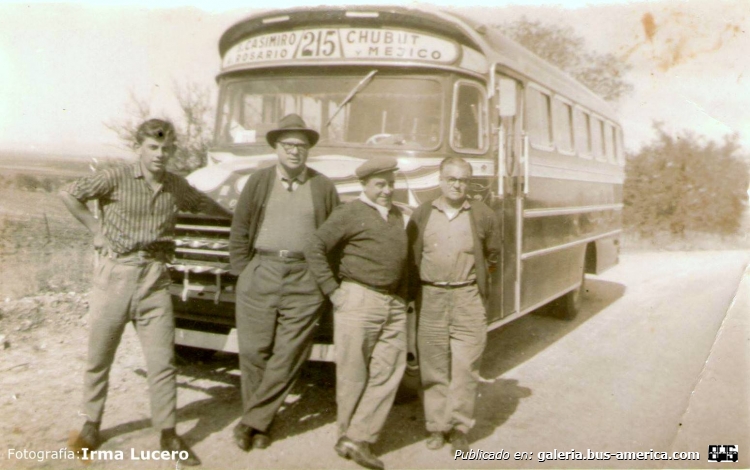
x: 362, y: 83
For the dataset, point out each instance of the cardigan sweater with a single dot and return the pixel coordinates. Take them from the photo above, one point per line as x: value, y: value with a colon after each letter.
x: 487, y: 244
x: 251, y: 206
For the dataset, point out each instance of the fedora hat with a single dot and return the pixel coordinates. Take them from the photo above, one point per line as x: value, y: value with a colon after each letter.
x: 292, y: 123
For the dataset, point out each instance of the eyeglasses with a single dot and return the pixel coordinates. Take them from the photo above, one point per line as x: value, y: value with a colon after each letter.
x: 452, y: 181
x: 288, y: 146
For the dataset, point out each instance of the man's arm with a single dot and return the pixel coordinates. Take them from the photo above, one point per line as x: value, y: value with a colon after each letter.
x: 194, y: 200
x: 82, y: 213
x: 239, y: 236
x: 326, y: 238
x: 75, y: 195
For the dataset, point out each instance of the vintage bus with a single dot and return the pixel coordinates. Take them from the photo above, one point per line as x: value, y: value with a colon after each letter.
x: 418, y: 85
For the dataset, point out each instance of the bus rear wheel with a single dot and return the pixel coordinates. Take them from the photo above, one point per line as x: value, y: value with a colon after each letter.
x: 569, y: 305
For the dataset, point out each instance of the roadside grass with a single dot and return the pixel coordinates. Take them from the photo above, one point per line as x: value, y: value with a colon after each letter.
x: 42, y: 247
x: 690, y: 241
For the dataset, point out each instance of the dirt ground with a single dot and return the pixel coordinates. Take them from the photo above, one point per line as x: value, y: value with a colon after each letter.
x: 45, y: 265
x: 45, y: 270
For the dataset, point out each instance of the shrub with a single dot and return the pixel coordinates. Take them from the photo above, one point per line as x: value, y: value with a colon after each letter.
x: 683, y: 182
x: 27, y: 182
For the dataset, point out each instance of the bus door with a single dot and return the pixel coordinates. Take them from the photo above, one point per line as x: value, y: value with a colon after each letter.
x: 508, y: 199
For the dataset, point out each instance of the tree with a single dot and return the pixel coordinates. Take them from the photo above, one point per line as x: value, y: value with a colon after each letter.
x: 561, y: 46
x: 194, y: 127
x: 683, y: 182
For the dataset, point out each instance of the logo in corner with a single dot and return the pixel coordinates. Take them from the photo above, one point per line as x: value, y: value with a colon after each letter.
x: 723, y: 453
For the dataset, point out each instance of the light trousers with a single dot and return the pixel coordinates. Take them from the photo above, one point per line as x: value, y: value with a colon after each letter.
x: 451, y: 336
x: 132, y: 290
x: 370, y: 340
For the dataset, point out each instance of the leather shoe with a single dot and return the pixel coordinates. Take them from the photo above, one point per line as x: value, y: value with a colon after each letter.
x: 359, y: 452
x: 87, y: 438
x: 435, y: 441
x: 459, y: 441
x: 261, y: 440
x: 242, y: 436
x: 176, y: 444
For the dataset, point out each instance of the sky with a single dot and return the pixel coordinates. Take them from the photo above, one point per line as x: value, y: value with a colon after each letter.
x: 67, y: 68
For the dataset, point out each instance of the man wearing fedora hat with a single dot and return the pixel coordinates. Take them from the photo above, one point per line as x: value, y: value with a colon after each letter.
x: 278, y: 300
x: 369, y: 307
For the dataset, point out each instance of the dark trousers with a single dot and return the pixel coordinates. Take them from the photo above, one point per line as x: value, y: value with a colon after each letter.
x: 278, y: 303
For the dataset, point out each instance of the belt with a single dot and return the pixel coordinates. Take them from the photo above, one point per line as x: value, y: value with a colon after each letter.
x: 140, y: 255
x: 379, y: 290
x: 298, y: 255
x: 449, y: 285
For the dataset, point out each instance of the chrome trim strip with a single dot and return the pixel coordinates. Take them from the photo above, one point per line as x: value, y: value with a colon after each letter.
x: 540, y: 170
x: 334, y: 63
x: 205, y: 228
x: 533, y: 213
x: 196, y: 251
x: 545, y: 251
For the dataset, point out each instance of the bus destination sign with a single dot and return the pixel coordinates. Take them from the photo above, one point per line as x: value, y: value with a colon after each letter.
x: 341, y: 43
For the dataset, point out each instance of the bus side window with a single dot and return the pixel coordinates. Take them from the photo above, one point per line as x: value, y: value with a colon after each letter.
x: 597, y: 139
x: 563, y: 126
x: 468, y: 131
x: 618, y: 147
x: 609, y: 142
x: 538, y: 123
x: 582, y: 134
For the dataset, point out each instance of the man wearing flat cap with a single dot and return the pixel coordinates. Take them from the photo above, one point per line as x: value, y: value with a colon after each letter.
x: 278, y: 299
x: 369, y: 307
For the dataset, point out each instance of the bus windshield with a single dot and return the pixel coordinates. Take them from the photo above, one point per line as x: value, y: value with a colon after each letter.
x: 393, y: 112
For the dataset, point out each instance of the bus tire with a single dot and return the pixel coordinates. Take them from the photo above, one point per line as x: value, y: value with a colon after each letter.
x: 569, y: 305
x: 410, y: 388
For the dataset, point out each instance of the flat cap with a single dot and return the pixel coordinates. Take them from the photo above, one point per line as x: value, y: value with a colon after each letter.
x: 375, y: 166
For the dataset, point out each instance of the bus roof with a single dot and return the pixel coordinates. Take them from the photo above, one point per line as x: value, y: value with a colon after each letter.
x: 493, y: 44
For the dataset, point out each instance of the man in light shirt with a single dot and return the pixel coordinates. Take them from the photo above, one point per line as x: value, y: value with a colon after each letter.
x: 455, y: 244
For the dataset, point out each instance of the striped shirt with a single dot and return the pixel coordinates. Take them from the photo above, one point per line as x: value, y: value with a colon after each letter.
x: 135, y: 216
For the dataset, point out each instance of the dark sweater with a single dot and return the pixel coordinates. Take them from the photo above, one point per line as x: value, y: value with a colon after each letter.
x: 487, y: 243
x: 372, y: 251
x: 248, y: 215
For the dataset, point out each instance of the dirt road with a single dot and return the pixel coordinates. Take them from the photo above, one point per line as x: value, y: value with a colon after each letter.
x: 618, y: 378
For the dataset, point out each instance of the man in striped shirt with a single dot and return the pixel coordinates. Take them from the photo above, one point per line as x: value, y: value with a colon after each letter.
x: 139, y: 205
